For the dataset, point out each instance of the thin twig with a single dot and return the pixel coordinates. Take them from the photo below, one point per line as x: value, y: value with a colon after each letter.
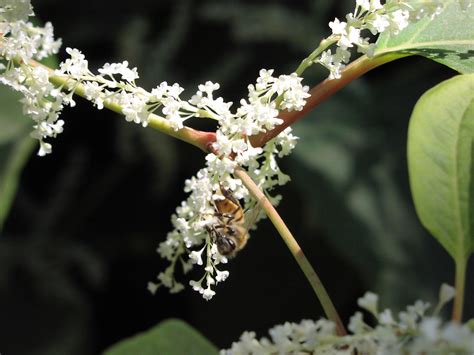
x: 295, y: 249
x: 324, y: 90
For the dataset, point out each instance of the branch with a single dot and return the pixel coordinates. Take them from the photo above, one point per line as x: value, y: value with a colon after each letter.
x: 200, y: 139
x: 203, y: 139
x: 325, y: 89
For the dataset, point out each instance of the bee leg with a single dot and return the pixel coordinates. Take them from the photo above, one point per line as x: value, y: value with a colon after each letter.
x: 230, y: 216
x: 228, y: 195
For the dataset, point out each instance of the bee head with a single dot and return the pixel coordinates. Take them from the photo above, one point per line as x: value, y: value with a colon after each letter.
x: 225, y: 245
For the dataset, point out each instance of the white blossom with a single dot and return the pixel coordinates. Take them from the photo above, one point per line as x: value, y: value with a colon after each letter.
x: 371, y: 15
x: 258, y: 113
x: 369, y: 302
x: 15, y: 10
x: 427, y: 336
x: 196, y: 256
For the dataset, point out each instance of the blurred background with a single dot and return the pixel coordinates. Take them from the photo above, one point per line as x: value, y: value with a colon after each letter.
x: 78, y: 245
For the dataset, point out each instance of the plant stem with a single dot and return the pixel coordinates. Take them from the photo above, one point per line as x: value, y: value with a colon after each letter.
x: 200, y: 139
x: 308, y: 61
x: 319, y: 93
x: 295, y: 249
x: 459, y: 285
x: 324, y: 90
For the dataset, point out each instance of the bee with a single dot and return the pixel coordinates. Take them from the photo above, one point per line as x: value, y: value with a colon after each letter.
x: 230, y: 233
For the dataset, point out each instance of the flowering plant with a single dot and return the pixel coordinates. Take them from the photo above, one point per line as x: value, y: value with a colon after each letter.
x: 242, y: 169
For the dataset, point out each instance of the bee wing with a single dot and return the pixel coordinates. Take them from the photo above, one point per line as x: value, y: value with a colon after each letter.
x: 251, y: 216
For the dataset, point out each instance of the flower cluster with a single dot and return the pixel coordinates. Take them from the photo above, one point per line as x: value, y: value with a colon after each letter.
x: 372, y: 16
x: 114, y: 87
x: 190, y: 241
x: 12, y: 11
x: 42, y: 101
x: 414, y: 332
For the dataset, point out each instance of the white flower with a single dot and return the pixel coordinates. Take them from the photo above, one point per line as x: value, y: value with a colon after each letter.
x: 45, y: 148
x: 349, y: 38
x: 15, y: 10
x: 309, y: 337
x: 76, y: 66
x: 134, y: 107
x: 208, y: 88
x: 159, y: 92
x: 196, y: 285
x: 356, y: 324
x: 93, y: 92
x: 338, y: 27
x: 429, y: 328
x: 195, y: 256
x: 398, y: 21
x: 446, y: 293
x: 379, y: 24
x: 119, y: 68
x: 364, y: 4
x: 208, y: 294
x: 221, y: 275
x: 265, y: 77
x: 369, y: 302
x: 386, y: 318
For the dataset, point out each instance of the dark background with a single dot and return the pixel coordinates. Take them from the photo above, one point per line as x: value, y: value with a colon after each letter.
x: 79, y: 245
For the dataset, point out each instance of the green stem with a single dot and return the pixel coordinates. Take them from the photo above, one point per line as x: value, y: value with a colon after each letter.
x: 459, y: 284
x: 308, y: 61
x: 200, y: 139
x: 295, y: 249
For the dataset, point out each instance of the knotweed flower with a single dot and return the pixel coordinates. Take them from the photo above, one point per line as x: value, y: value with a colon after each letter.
x: 114, y: 84
x: 425, y: 335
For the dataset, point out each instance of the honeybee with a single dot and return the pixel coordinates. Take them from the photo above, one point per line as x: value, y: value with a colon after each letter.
x: 230, y: 234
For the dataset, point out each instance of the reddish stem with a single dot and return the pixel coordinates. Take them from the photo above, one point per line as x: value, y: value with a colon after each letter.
x: 322, y: 91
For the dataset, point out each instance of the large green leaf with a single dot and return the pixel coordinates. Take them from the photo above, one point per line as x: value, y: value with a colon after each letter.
x: 447, y: 39
x: 15, y: 147
x: 172, y: 336
x: 441, y: 163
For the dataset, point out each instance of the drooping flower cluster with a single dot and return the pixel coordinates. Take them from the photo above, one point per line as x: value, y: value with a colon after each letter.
x: 12, y: 11
x: 414, y: 332
x: 190, y: 241
x: 42, y: 101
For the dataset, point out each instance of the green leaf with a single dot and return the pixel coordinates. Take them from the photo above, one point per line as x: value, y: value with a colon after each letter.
x: 16, y: 146
x: 441, y: 163
x: 171, y: 336
x: 447, y: 39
